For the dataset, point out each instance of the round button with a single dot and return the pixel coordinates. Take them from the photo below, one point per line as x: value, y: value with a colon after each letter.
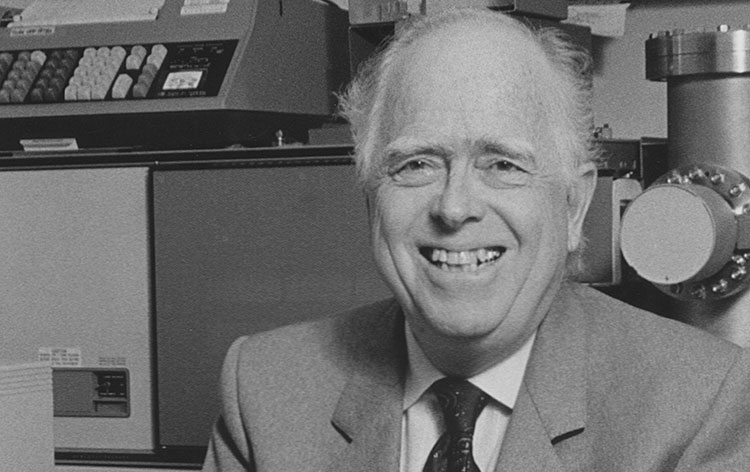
x: 140, y: 90
x: 46, y: 73
x: 42, y: 83
x: 18, y: 95
x: 119, y: 52
x: 38, y: 57
x: 51, y: 95
x: 68, y: 64
x: 24, y: 85
x: 73, y: 54
x: 28, y: 75
x: 145, y: 80
x: 6, y: 58
x: 37, y: 95
x: 33, y: 67
x: 139, y: 51
x: 133, y: 62
x: 57, y: 83
x: 71, y: 93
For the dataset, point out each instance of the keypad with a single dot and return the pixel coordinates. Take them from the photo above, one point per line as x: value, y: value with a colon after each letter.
x: 80, y: 74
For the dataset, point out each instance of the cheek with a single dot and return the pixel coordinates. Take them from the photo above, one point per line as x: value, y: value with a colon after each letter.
x: 394, y: 211
x: 389, y: 221
x: 545, y: 218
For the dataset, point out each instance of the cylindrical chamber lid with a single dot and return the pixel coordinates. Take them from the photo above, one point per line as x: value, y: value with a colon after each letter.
x: 679, y: 53
x: 672, y: 234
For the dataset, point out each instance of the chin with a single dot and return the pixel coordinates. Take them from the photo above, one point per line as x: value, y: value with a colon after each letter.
x: 467, y: 326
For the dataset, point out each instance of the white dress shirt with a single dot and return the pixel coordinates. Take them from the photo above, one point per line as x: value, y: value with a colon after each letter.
x: 422, y: 422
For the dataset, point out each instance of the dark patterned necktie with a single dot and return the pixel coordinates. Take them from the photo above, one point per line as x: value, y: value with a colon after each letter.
x: 461, y: 403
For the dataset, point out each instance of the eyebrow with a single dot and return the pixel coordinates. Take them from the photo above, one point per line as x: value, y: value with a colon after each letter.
x: 401, y: 150
x: 517, y: 150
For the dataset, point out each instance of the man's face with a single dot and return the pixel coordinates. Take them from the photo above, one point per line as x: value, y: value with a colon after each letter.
x: 471, y: 220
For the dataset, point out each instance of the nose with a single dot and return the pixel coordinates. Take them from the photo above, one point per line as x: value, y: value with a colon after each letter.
x: 459, y: 201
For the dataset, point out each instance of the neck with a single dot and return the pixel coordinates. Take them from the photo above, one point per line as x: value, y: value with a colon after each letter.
x: 465, y: 358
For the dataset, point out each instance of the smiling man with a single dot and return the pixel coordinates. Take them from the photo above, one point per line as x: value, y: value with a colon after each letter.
x: 472, y: 143
x: 476, y: 203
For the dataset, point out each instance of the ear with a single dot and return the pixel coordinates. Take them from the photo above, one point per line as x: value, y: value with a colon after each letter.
x: 368, y: 205
x: 371, y: 206
x: 580, y: 193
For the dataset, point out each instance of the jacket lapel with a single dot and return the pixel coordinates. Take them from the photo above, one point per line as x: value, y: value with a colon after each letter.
x: 550, y: 411
x: 368, y: 414
x: 546, y: 423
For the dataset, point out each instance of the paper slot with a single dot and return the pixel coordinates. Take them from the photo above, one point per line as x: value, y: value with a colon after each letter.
x: 78, y: 12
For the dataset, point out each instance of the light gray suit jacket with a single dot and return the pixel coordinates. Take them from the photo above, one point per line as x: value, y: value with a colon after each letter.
x: 607, y: 388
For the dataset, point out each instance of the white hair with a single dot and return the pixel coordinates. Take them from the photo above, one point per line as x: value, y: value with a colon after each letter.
x: 567, y: 99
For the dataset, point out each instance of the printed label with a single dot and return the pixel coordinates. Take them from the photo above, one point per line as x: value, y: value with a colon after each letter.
x: 32, y: 31
x: 61, y: 356
x: 112, y: 361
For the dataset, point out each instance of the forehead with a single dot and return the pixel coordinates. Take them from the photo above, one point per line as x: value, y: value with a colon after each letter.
x: 477, y: 75
x: 478, y: 45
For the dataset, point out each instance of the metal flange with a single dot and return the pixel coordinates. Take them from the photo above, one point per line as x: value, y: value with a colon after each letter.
x: 681, y: 53
x: 689, y: 233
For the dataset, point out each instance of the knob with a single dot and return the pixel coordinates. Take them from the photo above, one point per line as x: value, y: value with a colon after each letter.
x: 674, y: 233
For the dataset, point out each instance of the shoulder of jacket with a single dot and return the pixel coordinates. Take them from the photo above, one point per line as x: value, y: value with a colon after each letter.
x: 348, y: 330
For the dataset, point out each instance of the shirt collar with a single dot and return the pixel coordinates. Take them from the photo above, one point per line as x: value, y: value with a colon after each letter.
x: 501, y: 381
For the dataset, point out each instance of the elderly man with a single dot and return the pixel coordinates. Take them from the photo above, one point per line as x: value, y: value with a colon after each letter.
x: 472, y: 144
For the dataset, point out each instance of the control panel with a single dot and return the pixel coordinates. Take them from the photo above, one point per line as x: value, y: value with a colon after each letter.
x: 169, y: 74
x: 94, y: 392
x: 119, y: 72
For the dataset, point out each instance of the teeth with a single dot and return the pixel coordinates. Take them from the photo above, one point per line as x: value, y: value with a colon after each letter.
x: 482, y: 255
x: 439, y: 255
x: 466, y: 261
x: 453, y: 258
x: 491, y: 255
x: 465, y: 258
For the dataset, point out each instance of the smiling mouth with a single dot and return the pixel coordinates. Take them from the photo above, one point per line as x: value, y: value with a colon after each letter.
x: 461, y: 261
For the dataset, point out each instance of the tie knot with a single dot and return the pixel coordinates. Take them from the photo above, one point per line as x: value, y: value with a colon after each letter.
x: 461, y: 403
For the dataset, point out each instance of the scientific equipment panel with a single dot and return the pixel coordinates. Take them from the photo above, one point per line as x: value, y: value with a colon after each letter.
x: 169, y: 73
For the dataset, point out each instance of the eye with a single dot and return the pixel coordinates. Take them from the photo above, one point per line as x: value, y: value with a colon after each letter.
x: 502, y: 172
x: 414, y: 165
x: 500, y: 165
x: 504, y: 165
x: 416, y: 171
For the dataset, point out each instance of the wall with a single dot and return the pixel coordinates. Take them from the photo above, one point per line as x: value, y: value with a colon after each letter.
x: 633, y: 106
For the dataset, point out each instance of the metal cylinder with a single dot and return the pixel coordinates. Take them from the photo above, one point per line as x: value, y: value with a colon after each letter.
x: 708, y: 94
x: 708, y: 123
